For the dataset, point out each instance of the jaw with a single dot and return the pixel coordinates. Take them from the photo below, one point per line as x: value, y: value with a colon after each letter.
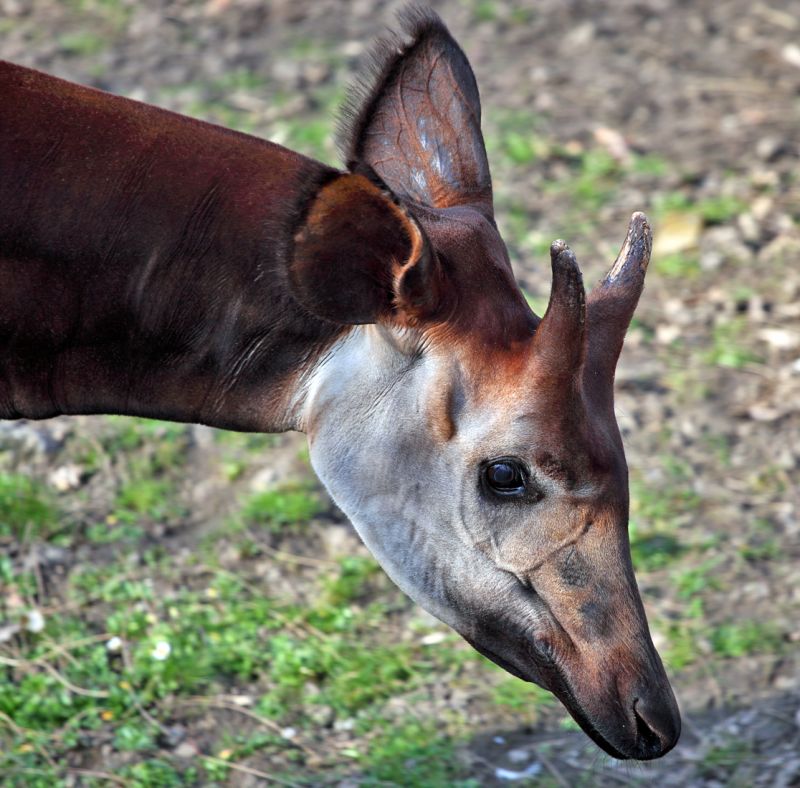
x: 606, y: 712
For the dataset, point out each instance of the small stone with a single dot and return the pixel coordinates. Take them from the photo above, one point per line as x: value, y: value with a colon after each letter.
x: 186, y: 750
x: 172, y: 735
x: 791, y: 54
x: 667, y: 333
x: 8, y: 631
x: 65, y: 478
x: 780, y: 338
x: 749, y: 227
x: 352, y: 48
x: 265, y: 479
x: 613, y: 141
x: 769, y: 148
x: 762, y: 207
x: 678, y: 232
x: 323, y: 716
x: 581, y: 34
x: 34, y: 621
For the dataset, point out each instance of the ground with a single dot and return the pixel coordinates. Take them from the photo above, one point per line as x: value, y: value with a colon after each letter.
x: 184, y: 606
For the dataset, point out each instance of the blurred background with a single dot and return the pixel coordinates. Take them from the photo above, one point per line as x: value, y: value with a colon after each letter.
x: 181, y: 606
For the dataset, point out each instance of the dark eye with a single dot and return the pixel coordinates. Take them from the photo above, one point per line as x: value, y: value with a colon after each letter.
x: 505, y: 477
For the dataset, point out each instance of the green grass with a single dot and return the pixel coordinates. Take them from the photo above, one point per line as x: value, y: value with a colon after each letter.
x: 682, y: 649
x: 716, y: 209
x: 722, y: 762
x: 226, y: 632
x: 288, y: 506
x: 26, y: 509
x: 82, y: 43
x: 414, y: 754
x: 729, y: 345
x: 655, y: 508
x: 690, y: 582
x: 740, y: 638
x: 677, y: 266
x: 522, y: 698
x: 596, y: 179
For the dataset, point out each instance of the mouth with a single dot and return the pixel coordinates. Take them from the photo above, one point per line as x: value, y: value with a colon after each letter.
x: 562, y: 691
x: 645, y: 744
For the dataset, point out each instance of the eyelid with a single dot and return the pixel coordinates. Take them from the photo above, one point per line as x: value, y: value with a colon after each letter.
x: 515, y: 493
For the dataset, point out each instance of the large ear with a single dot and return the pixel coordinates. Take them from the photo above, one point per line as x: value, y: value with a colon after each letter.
x: 417, y: 121
x: 358, y: 258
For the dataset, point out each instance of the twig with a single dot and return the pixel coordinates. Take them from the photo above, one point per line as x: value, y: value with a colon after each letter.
x: 99, y: 775
x: 220, y: 703
x: 13, y: 725
x: 42, y: 663
x: 304, y: 628
x: 248, y: 770
x: 291, y: 558
x: 146, y: 715
x: 87, y: 693
x: 551, y: 767
x: 27, y: 732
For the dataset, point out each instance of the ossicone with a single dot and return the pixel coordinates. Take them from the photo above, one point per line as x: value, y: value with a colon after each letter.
x: 581, y: 334
x: 613, y: 301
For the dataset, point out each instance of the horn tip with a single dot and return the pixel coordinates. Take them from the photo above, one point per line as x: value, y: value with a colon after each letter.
x: 562, y: 257
x: 639, y: 226
x: 557, y: 247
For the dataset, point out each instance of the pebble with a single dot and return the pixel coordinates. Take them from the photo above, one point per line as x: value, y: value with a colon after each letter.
x: 65, y: 478
x: 508, y: 774
x: 186, y: 749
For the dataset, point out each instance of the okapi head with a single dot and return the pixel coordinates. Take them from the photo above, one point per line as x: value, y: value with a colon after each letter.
x: 472, y: 443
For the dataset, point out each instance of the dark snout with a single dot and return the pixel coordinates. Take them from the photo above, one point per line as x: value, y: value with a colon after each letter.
x: 639, y: 722
x: 658, y: 722
x: 609, y: 677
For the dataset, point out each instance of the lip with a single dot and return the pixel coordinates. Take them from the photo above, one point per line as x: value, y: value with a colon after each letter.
x: 563, y: 692
x: 565, y: 695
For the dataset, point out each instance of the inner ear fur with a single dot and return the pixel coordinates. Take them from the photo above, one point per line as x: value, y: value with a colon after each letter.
x: 359, y: 258
x: 414, y: 118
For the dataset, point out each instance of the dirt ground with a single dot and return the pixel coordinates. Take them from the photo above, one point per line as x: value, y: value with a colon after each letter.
x: 689, y: 111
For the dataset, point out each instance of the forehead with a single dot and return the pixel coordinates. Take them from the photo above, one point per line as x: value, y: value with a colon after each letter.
x: 492, y: 408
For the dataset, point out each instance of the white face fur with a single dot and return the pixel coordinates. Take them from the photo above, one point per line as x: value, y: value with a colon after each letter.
x: 414, y: 497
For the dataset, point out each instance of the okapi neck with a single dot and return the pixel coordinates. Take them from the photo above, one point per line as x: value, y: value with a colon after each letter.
x: 144, y: 252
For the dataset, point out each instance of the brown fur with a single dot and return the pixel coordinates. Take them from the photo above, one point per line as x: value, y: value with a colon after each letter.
x: 155, y: 265
x: 162, y: 242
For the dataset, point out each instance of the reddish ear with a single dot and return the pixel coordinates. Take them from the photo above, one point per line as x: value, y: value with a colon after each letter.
x: 359, y: 258
x: 417, y: 122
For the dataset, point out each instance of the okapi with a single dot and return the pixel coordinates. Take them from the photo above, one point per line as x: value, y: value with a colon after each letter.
x: 154, y: 265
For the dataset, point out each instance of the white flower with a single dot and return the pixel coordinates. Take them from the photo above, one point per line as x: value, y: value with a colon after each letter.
x: 34, y: 621
x: 161, y: 650
x: 114, y: 644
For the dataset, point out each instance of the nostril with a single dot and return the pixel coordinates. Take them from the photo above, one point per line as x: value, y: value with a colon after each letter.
x: 647, y: 740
